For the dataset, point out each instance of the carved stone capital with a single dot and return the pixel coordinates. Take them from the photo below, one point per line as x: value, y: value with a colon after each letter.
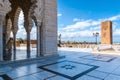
x: 4, y: 7
x: 14, y: 30
x: 38, y: 22
x: 39, y: 10
x: 28, y: 24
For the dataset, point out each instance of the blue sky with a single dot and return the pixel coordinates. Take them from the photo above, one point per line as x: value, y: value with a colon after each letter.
x: 79, y: 19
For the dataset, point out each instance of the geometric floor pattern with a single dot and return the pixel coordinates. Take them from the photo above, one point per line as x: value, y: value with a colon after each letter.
x: 69, y: 69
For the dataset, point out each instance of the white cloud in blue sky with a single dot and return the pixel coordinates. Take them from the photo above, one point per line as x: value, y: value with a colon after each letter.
x: 77, y: 21
x: 81, y: 28
x: 59, y: 15
x: 83, y: 17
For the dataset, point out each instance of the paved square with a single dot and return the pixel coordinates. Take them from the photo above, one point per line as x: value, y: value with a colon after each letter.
x: 5, y: 77
x: 99, y: 58
x: 69, y: 69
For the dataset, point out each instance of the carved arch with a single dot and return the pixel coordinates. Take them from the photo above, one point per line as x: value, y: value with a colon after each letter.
x: 8, y: 29
x: 15, y: 20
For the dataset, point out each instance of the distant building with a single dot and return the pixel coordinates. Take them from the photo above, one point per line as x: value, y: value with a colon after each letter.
x: 106, y: 32
x: 33, y: 42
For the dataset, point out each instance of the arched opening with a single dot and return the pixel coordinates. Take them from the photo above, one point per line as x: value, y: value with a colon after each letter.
x: 21, y: 38
x: 24, y: 31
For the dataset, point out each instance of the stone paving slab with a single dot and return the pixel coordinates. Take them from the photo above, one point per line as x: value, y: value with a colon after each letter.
x: 44, y: 75
x: 4, y: 69
x: 88, y: 78
x: 98, y: 74
x: 103, y: 58
x: 58, y: 78
x: 112, y: 77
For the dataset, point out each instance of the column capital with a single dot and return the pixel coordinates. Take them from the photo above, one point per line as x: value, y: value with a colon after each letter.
x: 4, y: 6
x: 28, y: 24
x: 38, y: 22
x: 14, y: 30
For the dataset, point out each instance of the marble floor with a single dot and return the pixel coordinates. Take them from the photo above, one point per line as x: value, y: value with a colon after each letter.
x: 78, y: 64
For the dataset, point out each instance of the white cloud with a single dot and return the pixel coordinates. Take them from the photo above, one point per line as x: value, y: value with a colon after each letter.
x: 81, y: 25
x: 33, y: 33
x: 77, y: 19
x: 95, y: 28
x: 21, y: 19
x: 80, y: 28
x: 86, y: 28
x: 21, y: 33
x: 116, y: 32
x: 113, y: 18
x: 84, y: 33
x: 59, y: 15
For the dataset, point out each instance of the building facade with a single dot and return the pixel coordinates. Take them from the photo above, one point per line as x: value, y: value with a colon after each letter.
x: 42, y: 12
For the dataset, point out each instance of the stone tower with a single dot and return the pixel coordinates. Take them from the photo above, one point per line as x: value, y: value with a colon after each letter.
x: 106, y: 32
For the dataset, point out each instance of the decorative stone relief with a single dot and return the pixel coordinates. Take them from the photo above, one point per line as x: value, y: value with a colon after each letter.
x: 4, y: 6
x: 9, y: 26
x: 39, y: 10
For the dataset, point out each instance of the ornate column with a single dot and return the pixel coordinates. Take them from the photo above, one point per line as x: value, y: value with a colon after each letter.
x: 28, y: 44
x: 14, y: 45
x: 1, y: 36
x: 39, y: 15
x: 4, y: 8
x: 28, y: 24
x: 39, y: 38
x: 14, y: 30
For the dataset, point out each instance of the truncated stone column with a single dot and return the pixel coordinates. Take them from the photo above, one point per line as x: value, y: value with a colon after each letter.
x: 28, y: 24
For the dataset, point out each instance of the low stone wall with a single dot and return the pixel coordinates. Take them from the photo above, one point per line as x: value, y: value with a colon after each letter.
x: 79, y: 45
x: 25, y: 45
x: 93, y: 46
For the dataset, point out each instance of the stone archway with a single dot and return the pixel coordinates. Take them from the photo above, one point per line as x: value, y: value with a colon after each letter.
x: 25, y: 6
x: 44, y: 14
